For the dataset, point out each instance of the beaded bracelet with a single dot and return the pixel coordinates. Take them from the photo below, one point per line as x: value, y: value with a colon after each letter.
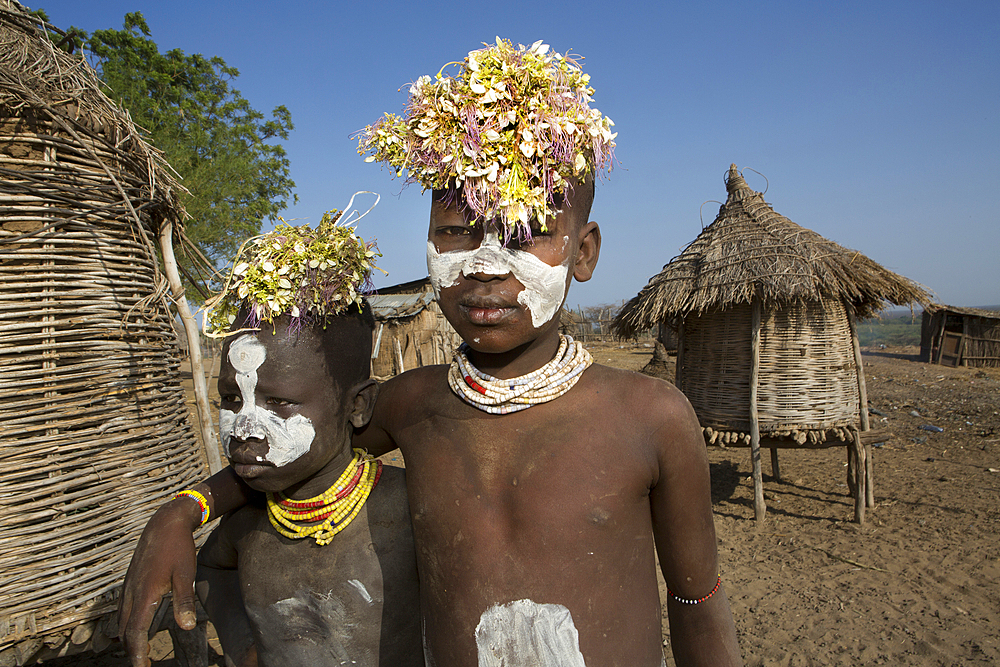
x: 200, y: 499
x: 686, y: 601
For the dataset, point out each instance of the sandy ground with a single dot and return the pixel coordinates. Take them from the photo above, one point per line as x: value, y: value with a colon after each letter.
x: 918, y: 584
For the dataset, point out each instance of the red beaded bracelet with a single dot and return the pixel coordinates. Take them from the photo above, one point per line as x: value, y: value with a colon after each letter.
x: 686, y: 601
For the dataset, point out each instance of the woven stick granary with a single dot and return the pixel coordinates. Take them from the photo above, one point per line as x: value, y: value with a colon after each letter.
x: 94, y: 428
x: 767, y: 348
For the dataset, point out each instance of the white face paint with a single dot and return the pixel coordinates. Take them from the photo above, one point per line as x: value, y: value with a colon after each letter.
x: 544, y: 285
x: 287, y: 439
x: 523, y: 633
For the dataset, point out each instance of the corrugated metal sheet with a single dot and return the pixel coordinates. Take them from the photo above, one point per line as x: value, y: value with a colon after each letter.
x: 390, y: 306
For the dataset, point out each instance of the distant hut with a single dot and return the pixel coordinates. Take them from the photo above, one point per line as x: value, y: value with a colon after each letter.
x: 410, y: 329
x: 94, y: 429
x: 767, y: 350
x: 953, y: 336
x: 574, y: 323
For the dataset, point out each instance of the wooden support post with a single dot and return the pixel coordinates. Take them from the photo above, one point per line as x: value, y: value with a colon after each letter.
x: 679, y: 369
x: 759, y: 508
x: 775, y: 470
x: 869, y: 477
x: 859, y: 494
x: 399, y: 355
x: 962, y: 361
x: 940, y: 350
x: 204, y: 410
x: 852, y: 471
x: 868, y: 470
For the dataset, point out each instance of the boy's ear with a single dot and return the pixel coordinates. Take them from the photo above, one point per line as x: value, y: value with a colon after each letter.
x: 365, y: 394
x: 588, y: 252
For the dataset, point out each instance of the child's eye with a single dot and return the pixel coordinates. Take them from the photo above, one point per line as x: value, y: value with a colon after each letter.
x: 456, y: 230
x: 231, y: 398
x: 273, y: 400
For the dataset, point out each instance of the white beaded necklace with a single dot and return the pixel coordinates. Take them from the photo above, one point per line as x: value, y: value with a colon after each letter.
x: 500, y: 397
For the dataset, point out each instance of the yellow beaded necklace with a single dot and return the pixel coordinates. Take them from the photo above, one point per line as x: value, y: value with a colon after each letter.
x: 331, y: 511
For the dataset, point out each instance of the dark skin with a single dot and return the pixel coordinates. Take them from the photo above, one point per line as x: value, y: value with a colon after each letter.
x: 348, y: 602
x: 562, y: 503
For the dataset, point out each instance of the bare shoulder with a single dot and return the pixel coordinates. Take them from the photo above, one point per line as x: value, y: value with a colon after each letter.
x: 651, y: 400
x: 425, y: 378
x: 412, y: 392
x: 654, y: 411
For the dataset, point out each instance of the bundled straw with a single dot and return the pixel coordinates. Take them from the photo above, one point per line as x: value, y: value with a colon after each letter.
x: 94, y: 430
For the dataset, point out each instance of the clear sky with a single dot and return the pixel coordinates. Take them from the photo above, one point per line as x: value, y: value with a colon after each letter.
x: 874, y: 122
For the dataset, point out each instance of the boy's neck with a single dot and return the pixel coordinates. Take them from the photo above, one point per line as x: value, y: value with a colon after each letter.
x: 522, y: 359
x: 324, y: 478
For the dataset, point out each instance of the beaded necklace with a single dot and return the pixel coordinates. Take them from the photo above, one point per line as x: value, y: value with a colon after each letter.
x: 331, y: 511
x: 500, y: 397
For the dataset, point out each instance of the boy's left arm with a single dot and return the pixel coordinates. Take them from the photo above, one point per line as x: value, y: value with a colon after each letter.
x: 684, y: 530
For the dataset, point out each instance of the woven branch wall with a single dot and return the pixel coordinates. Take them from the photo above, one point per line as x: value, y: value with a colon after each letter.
x: 422, y: 339
x: 94, y: 428
x: 807, y: 379
x: 982, y: 344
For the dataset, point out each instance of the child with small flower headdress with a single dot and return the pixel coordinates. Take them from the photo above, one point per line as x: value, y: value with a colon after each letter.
x: 321, y: 569
x: 542, y: 486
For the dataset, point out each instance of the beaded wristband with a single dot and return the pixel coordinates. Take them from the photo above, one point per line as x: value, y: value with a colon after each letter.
x: 200, y: 499
x: 686, y: 601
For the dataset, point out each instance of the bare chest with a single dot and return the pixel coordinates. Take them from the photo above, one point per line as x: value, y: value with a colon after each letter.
x: 310, y: 604
x: 543, y: 491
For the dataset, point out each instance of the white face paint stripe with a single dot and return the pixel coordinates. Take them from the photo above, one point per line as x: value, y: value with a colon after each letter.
x: 527, y: 633
x: 287, y: 439
x: 544, y: 285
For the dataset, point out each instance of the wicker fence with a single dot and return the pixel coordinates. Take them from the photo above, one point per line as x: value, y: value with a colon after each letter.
x: 94, y: 426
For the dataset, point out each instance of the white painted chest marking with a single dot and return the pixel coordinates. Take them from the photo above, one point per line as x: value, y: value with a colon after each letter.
x: 544, y: 285
x: 287, y: 439
x: 524, y: 634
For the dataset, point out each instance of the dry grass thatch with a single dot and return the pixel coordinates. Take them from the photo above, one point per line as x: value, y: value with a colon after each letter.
x: 751, y: 250
x: 94, y: 428
x: 43, y: 82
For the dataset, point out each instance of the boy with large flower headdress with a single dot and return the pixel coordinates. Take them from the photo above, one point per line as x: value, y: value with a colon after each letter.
x: 320, y: 571
x: 539, y: 482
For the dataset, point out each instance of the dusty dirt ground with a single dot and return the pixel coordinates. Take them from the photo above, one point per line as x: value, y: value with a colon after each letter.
x: 918, y: 584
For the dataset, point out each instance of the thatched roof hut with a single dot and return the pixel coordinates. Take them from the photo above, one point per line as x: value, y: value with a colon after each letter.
x: 94, y: 427
x: 410, y: 329
x: 765, y: 312
x: 955, y: 336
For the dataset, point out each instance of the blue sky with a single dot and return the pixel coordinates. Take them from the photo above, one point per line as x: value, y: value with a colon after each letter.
x: 875, y: 123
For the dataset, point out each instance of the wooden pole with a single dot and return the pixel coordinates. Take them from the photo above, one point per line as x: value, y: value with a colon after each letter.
x: 940, y: 350
x: 204, y: 410
x: 679, y: 370
x: 961, y: 345
x: 859, y: 459
x: 399, y: 355
x: 759, y: 508
x: 868, y: 470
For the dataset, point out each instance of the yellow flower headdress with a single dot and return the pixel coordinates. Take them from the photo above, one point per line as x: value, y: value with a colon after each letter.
x: 307, y: 273
x: 507, y: 132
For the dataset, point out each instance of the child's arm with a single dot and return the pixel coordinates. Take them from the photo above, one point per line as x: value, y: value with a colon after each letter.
x: 164, y: 561
x: 681, y: 501
x: 218, y: 588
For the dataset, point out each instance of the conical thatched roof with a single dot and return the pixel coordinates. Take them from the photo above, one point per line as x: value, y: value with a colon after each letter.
x: 57, y: 87
x: 750, y: 249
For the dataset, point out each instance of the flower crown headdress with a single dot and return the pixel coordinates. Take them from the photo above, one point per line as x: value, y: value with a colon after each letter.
x: 309, y: 274
x: 508, y: 132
